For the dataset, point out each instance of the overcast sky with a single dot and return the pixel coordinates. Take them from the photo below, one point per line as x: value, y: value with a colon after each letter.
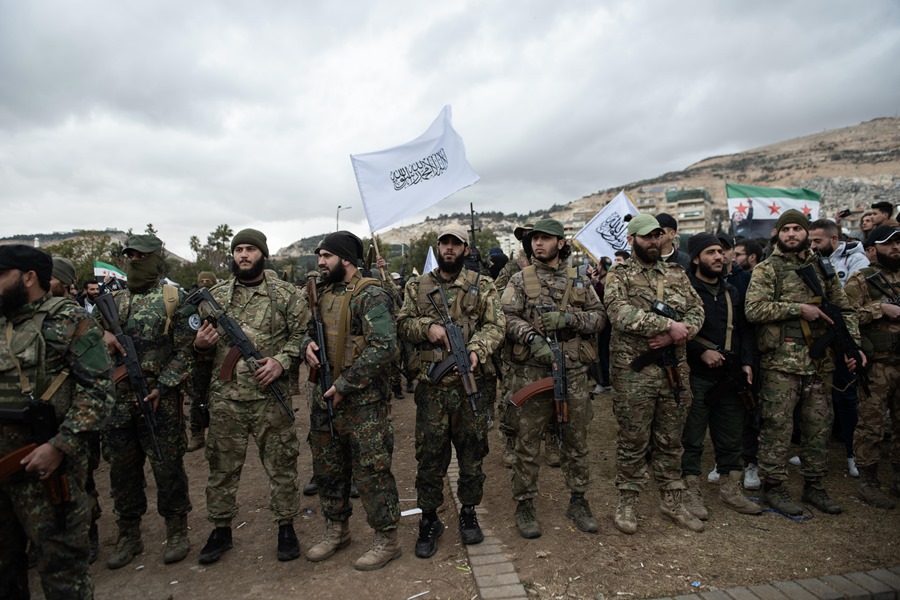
x: 191, y: 114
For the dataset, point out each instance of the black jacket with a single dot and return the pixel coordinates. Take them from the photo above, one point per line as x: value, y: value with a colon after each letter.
x: 714, y: 328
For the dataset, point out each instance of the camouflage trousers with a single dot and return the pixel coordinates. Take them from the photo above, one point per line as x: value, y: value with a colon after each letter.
x: 361, y: 454
x: 533, y: 418
x: 231, y: 423
x: 779, y: 395
x: 723, y: 414
x: 129, y: 444
x: 651, y: 424
x: 92, y: 441
x: 885, y: 389
x: 26, y: 513
x: 443, y: 417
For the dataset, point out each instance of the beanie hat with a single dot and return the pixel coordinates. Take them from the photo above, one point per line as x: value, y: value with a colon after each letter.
x: 699, y: 242
x: 27, y: 258
x: 254, y: 237
x: 792, y: 216
x: 64, y: 270
x: 343, y: 244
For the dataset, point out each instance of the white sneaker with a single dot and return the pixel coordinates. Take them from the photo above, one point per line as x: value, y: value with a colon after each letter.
x: 851, y: 467
x: 751, y: 477
x: 794, y: 460
x: 599, y: 389
x: 713, y: 476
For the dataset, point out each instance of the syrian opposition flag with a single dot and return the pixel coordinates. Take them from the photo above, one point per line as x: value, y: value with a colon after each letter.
x: 754, y: 210
x: 430, y: 262
x: 102, y: 269
x: 401, y: 181
x: 607, y: 232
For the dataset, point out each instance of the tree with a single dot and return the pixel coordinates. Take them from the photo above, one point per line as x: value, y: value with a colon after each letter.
x: 83, y: 251
x: 150, y: 230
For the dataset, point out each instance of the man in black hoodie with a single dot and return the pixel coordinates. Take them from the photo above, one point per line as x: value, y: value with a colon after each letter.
x: 724, y: 337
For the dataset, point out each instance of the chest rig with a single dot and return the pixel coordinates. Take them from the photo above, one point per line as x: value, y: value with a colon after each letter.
x: 344, y: 338
x: 463, y: 304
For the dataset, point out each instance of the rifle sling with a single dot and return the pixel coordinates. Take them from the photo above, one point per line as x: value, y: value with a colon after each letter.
x: 729, y: 329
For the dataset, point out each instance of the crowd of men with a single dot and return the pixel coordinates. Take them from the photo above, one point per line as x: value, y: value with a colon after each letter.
x: 755, y: 346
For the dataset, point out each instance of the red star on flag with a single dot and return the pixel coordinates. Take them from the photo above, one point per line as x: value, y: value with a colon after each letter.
x: 806, y: 210
x: 774, y: 209
x: 742, y: 208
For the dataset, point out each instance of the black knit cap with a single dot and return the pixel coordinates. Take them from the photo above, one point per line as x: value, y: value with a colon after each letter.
x: 343, y: 244
x: 27, y: 258
x: 699, y: 242
x: 254, y: 237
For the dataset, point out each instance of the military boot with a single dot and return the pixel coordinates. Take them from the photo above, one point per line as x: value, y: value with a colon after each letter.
x: 870, y: 488
x: 551, y: 448
x: 94, y: 539
x: 385, y: 548
x: 672, y: 505
x: 626, y: 516
x: 469, y: 529
x: 128, y: 545
x: 430, y: 529
x: 336, y: 536
x: 311, y: 488
x: 509, y: 455
x: 216, y: 544
x: 198, y: 440
x: 779, y: 498
x: 730, y: 493
x: 526, y: 521
x: 895, y: 480
x: 177, y: 543
x: 580, y: 511
x: 814, y: 493
x: 288, y: 546
x: 693, y: 497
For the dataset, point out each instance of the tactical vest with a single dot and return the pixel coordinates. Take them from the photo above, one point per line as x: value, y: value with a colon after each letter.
x: 462, y: 310
x: 344, y: 343
x: 881, y: 336
x: 25, y: 340
x: 151, y: 338
x: 795, y: 330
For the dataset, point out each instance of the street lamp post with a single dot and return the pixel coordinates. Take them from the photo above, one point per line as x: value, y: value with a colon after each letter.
x: 337, y: 218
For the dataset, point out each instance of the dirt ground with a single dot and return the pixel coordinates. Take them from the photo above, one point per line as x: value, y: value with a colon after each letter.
x: 564, y: 563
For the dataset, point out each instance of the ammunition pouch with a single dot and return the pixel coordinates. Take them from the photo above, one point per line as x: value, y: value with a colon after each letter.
x: 881, y: 342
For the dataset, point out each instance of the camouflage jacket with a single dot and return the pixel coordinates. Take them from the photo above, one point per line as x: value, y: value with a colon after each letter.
x: 631, y: 290
x: 478, y: 315
x: 879, y: 333
x: 365, y: 380
x: 68, y: 339
x: 167, y: 356
x: 773, y: 303
x: 271, y: 315
x: 588, y: 316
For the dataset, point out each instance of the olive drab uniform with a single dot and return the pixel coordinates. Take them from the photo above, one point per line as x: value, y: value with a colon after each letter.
x: 650, y: 417
x: 559, y: 287
x: 271, y: 315
x: 789, y: 376
x: 361, y: 342
x: 52, y: 351
x: 444, y: 415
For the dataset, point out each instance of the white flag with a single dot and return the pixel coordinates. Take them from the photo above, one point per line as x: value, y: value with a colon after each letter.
x: 430, y: 262
x: 607, y: 231
x: 401, y: 181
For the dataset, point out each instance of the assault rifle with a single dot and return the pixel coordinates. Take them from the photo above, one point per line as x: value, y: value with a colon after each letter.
x: 322, y: 374
x: 40, y: 418
x: 241, y: 346
x: 560, y: 380
x: 734, y: 376
x: 130, y: 367
x: 459, y: 356
x: 837, y: 336
x: 474, y: 261
x: 879, y: 280
x: 664, y: 357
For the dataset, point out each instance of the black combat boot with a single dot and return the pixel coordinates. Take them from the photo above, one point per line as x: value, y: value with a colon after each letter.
x: 430, y: 529
x: 94, y: 538
x: 288, y: 546
x: 218, y: 542
x: 469, y: 530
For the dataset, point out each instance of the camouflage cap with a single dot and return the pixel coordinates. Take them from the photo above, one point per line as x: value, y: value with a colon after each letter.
x: 643, y: 224
x: 521, y: 232
x: 456, y: 231
x: 550, y: 227
x: 144, y: 243
x: 64, y: 270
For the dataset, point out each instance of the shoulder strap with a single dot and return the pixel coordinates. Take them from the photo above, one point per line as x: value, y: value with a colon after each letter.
x: 571, y: 274
x: 170, y: 300
x: 23, y: 378
x: 532, y: 283
x: 344, y: 319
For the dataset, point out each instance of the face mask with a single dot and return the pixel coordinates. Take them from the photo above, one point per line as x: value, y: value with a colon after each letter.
x: 143, y: 274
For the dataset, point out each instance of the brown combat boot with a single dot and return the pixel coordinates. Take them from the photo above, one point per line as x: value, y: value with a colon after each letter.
x: 509, y: 454
x: 336, y: 536
x: 870, y: 488
x: 198, y: 440
x: 730, y: 493
x: 551, y: 448
x: 672, y: 505
x: 128, y: 545
x: 177, y: 543
x: 385, y: 548
x: 626, y: 517
x: 693, y: 497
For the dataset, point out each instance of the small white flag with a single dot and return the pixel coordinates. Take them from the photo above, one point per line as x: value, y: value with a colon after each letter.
x: 607, y: 232
x: 430, y: 262
x: 401, y: 181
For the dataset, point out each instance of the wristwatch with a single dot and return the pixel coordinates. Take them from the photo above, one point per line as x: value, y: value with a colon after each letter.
x: 530, y: 339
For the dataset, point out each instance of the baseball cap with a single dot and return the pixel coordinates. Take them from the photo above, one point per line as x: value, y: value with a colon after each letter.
x: 882, y: 234
x: 643, y: 224
x: 456, y: 231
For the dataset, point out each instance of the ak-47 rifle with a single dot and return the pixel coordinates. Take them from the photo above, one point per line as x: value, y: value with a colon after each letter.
x: 837, y: 336
x: 474, y: 259
x: 321, y: 374
x: 664, y: 357
x: 40, y: 418
x: 130, y: 366
x: 560, y: 380
x: 734, y: 376
x: 459, y: 356
x: 879, y: 280
x: 241, y: 346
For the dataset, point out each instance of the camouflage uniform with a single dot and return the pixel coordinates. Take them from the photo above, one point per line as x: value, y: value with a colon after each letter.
x: 166, y: 360
x: 522, y: 319
x: 788, y: 375
x: 443, y: 412
x: 365, y: 436
x: 650, y: 420
x: 271, y: 315
x: 68, y: 339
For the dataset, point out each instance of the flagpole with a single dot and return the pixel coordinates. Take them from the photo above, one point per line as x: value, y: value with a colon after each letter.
x: 378, y: 255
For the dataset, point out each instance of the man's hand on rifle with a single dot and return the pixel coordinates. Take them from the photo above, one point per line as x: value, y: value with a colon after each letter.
x: 679, y: 332
x: 852, y: 364
x: 312, y: 359
x: 811, y: 312
x: 891, y: 311
x: 712, y: 359
x: 153, y: 398
x: 748, y: 371
x: 555, y: 320
x: 335, y: 395
x: 43, y: 460
x: 268, y: 372
x: 541, y: 352
x: 112, y: 344
x: 437, y: 335
x: 207, y: 337
x: 660, y: 341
